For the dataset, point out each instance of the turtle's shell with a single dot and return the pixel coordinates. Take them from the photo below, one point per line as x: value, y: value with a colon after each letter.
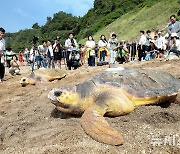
x: 139, y: 82
x: 42, y: 75
x: 48, y: 74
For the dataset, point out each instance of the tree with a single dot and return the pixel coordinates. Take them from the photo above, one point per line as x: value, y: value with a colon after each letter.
x: 35, y: 26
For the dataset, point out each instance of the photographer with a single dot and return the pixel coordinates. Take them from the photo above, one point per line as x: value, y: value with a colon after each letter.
x: 14, y: 69
x: 175, y: 44
x: 35, y: 39
x: 74, y: 60
x: 122, y: 53
x: 32, y: 57
x: 70, y: 44
x: 57, y: 49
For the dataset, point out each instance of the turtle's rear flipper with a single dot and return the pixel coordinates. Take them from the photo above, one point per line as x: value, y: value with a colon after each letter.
x: 95, y: 125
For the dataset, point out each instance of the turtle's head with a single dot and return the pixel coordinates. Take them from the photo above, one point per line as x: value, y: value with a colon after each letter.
x: 66, y: 99
x: 24, y: 81
x: 72, y: 99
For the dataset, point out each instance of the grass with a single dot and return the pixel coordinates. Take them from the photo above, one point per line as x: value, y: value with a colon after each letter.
x: 154, y: 18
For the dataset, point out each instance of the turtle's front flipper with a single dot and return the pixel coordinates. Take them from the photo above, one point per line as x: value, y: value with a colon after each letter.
x: 98, y: 128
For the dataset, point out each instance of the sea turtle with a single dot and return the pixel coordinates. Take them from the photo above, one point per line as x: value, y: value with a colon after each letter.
x: 42, y: 75
x: 113, y: 92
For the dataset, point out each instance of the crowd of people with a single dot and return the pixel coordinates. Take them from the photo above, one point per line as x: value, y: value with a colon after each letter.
x: 51, y: 54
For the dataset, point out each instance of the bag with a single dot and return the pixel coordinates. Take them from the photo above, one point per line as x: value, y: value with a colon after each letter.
x: 75, y: 64
x: 91, y: 53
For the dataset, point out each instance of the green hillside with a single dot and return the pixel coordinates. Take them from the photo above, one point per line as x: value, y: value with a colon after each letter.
x: 155, y: 17
x: 124, y: 17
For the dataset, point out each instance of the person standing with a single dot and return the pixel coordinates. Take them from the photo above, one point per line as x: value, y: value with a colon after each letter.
x: 26, y: 53
x: 90, y: 52
x: 174, y: 26
x: 112, y: 44
x: 42, y: 54
x: 32, y: 57
x: 50, y: 55
x: 133, y: 50
x: 160, y: 45
x: 83, y: 54
x: 21, y: 57
x: 141, y: 46
x: 2, y: 49
x: 57, y: 49
x: 70, y: 45
x: 102, y: 48
x: 148, y: 38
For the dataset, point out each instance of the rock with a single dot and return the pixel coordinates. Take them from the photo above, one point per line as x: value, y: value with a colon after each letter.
x: 172, y: 56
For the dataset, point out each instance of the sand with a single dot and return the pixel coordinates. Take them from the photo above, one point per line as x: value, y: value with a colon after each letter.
x: 29, y: 123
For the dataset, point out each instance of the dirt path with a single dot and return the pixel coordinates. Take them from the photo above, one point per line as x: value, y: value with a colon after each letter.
x: 29, y: 123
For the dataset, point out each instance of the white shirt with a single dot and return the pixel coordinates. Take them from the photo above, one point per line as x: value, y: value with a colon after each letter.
x: 90, y: 44
x: 42, y: 49
x: 160, y: 42
x: 142, y: 40
x: 50, y: 48
x: 68, y: 44
x: 31, y: 57
x: 101, y: 43
x: 2, y: 44
x: 26, y: 52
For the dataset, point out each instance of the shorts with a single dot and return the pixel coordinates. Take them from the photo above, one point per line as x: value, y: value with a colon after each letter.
x: 57, y: 56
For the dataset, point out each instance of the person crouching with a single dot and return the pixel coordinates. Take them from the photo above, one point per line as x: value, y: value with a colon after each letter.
x: 14, y: 69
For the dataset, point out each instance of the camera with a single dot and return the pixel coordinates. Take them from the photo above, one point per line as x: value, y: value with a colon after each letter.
x: 35, y: 39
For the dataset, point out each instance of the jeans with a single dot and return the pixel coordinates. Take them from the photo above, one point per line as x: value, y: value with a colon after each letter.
x: 177, y: 52
x: 51, y: 62
x: 113, y: 55
x: 43, y: 60
x: 38, y: 61
x: 147, y: 56
x: 102, y: 55
x: 91, y: 60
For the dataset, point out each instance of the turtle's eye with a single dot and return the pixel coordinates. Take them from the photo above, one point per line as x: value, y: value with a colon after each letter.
x: 57, y: 93
x: 24, y: 80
